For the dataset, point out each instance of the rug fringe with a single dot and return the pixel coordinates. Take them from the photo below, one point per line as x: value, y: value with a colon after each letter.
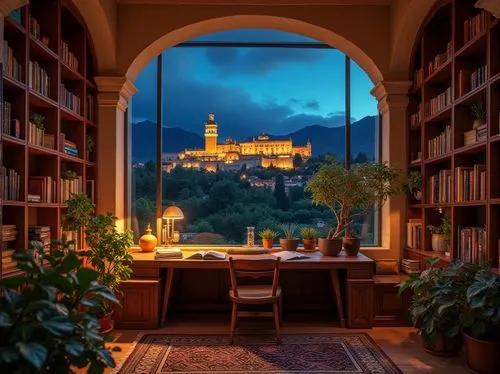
x: 122, y: 360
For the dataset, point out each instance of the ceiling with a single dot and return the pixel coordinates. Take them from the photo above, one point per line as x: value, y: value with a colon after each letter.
x: 260, y: 2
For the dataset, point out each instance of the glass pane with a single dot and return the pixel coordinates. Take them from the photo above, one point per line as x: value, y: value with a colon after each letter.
x: 143, y: 122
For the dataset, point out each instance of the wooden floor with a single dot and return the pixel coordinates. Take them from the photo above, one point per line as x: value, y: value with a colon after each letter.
x: 400, y: 343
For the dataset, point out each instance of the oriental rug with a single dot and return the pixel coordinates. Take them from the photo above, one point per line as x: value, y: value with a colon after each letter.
x: 313, y: 353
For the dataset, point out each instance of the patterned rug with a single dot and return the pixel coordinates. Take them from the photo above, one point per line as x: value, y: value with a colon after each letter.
x: 318, y: 353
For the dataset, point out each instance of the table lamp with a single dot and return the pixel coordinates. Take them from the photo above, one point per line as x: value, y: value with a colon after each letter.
x: 170, y: 214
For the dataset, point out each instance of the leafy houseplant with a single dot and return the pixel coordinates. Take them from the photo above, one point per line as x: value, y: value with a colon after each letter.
x: 108, y: 254
x: 478, y: 114
x: 481, y: 321
x: 440, y: 235
x: 438, y: 298
x: 90, y: 146
x: 69, y: 174
x: 46, y: 319
x: 309, y: 235
x: 77, y: 216
x: 38, y: 120
x: 267, y: 236
x: 289, y: 242
x: 413, y: 185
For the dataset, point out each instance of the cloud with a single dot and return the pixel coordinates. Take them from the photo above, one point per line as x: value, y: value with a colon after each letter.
x: 310, y: 104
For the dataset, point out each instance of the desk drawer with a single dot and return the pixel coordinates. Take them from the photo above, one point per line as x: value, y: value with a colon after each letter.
x: 145, y: 271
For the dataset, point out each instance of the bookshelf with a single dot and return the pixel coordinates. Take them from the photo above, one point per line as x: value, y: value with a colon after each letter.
x: 48, y: 122
x: 455, y: 71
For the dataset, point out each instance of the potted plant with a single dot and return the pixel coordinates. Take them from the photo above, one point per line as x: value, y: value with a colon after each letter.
x: 413, y: 186
x: 481, y: 321
x: 309, y: 235
x: 289, y: 242
x: 108, y: 254
x: 38, y: 120
x: 49, y: 326
x: 438, y: 296
x: 267, y: 236
x: 77, y: 216
x: 440, y: 235
x: 90, y: 146
x: 478, y: 114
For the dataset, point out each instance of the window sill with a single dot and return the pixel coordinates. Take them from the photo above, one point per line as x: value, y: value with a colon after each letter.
x: 226, y: 247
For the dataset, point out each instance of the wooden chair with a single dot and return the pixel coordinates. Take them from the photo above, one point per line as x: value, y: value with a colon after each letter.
x: 255, y: 294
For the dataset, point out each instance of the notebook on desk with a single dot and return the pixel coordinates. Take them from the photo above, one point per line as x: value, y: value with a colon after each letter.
x: 207, y: 255
x: 164, y: 253
x: 290, y: 255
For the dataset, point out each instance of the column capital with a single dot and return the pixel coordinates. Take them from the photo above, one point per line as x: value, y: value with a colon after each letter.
x: 7, y: 6
x: 391, y: 94
x: 492, y: 6
x: 114, y: 91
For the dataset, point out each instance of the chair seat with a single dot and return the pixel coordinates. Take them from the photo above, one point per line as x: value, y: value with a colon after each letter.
x: 255, y: 294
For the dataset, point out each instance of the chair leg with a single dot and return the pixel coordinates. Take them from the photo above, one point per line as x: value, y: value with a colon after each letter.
x: 276, y: 320
x: 233, y: 320
x: 280, y: 308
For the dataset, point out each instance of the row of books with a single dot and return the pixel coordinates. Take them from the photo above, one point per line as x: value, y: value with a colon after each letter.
x: 11, y: 66
x: 70, y: 187
x: 469, y: 79
x: 439, y: 187
x: 440, y: 59
x: 476, y: 135
x: 470, y: 183
x: 38, y: 79
x: 89, y: 108
x: 471, y: 245
x: 9, y: 126
x: 70, y: 100
x: 68, y: 57
x: 414, y: 233
x: 10, y: 185
x: 34, y: 27
x: 43, y: 186
x: 474, y: 26
x: 410, y: 266
x: 415, y: 118
x: 438, y: 103
x: 9, y: 233
x: 38, y: 136
x: 441, y: 144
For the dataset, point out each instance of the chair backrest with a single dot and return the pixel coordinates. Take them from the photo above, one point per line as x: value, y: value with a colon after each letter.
x: 254, y: 268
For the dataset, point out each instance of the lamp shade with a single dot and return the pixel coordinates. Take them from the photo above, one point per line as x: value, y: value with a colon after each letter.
x: 173, y: 212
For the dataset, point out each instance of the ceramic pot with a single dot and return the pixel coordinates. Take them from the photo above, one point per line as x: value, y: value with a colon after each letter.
x: 330, y: 247
x: 267, y: 243
x: 309, y: 244
x: 148, y: 241
x: 444, y: 346
x: 477, y: 123
x: 417, y: 195
x: 289, y: 244
x: 439, y: 243
x: 483, y: 357
x: 107, y: 324
x: 351, y: 246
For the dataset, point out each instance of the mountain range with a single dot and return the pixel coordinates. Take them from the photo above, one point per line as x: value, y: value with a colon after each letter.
x: 323, y: 139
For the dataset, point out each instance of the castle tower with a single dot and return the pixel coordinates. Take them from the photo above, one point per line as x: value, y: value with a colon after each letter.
x: 211, y: 135
x: 309, y: 148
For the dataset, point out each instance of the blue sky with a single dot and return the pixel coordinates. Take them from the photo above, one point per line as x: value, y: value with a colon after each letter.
x: 250, y: 90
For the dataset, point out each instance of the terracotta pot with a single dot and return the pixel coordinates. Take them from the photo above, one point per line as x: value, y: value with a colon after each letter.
x: 309, y: 244
x: 439, y: 243
x: 444, y: 346
x: 267, y: 243
x: 482, y: 356
x: 477, y: 123
x: 107, y: 324
x: 289, y: 244
x: 351, y: 246
x: 330, y: 247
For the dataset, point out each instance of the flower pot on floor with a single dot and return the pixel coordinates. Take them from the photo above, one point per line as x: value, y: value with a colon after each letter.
x: 330, y: 247
x: 107, y: 323
x: 351, y: 246
x: 439, y: 243
x: 443, y: 346
x: 309, y: 244
x: 482, y: 356
x: 289, y: 244
x: 267, y: 243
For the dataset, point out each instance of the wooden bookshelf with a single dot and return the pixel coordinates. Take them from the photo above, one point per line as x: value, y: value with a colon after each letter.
x: 48, y: 70
x: 470, y: 74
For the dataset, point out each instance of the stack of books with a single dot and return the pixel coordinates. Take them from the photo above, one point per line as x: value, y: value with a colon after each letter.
x: 8, y: 263
x: 9, y: 233
x: 410, y: 266
x: 40, y: 234
x: 67, y: 146
x: 10, y: 184
x: 45, y: 187
x: 163, y: 253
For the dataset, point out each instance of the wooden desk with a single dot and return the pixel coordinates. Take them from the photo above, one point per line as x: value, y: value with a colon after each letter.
x: 359, y: 283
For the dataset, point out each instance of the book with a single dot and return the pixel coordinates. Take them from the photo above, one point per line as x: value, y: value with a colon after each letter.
x: 207, y: 255
x: 167, y: 253
x: 290, y: 255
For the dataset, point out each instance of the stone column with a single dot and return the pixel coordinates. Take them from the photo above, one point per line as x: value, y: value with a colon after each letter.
x: 392, y: 99
x: 113, y: 96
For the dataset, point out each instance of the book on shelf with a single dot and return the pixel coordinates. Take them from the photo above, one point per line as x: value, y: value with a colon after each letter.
x: 167, y: 253
x: 290, y: 255
x: 475, y: 26
x: 440, y: 144
x: 10, y: 126
x: 11, y: 67
x: 49, y: 141
x: 418, y: 77
x: 8, y: 263
x: 69, y: 187
x: 9, y: 233
x: 69, y: 99
x: 471, y: 245
x: 89, y: 189
x: 207, y: 255
x: 89, y: 107
x: 10, y: 185
x: 67, y: 146
x: 476, y: 135
x: 38, y: 79
x: 470, y: 183
x: 68, y: 57
x: 34, y: 27
x: 438, y: 103
x: 43, y: 186
x: 35, y: 134
x: 409, y: 266
x: 40, y: 234
x: 414, y: 233
x: 415, y: 118
x: 439, y: 187
x: 34, y: 198
x: 440, y: 59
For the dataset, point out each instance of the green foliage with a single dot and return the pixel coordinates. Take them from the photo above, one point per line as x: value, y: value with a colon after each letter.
x: 279, y: 192
x: 478, y: 111
x: 443, y: 229
x: 90, y: 144
x: 70, y: 174
x: 481, y: 314
x: 289, y: 230
x: 309, y: 233
x: 38, y: 120
x: 438, y: 298
x: 47, y: 323
x: 297, y: 160
x: 77, y: 216
x: 108, y: 251
x: 268, y: 234
x: 414, y: 182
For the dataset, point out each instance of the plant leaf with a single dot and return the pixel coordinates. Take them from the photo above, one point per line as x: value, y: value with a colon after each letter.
x: 467, y: 319
x: 34, y: 353
x: 70, y: 262
x: 59, y: 325
x: 106, y: 357
x: 85, y: 277
x: 5, y: 320
x: 8, y: 355
x: 74, y: 348
x: 96, y: 367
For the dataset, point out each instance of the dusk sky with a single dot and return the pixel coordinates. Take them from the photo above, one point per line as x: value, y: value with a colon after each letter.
x: 250, y: 90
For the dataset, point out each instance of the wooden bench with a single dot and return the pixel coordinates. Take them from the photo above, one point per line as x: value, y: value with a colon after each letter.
x: 390, y: 309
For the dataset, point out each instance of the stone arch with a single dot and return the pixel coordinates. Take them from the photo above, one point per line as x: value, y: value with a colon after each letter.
x: 254, y: 21
x: 7, y: 6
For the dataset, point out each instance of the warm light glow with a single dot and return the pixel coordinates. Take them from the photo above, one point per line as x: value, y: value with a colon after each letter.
x: 173, y: 212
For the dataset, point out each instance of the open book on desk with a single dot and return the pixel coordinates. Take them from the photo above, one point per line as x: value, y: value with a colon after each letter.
x: 290, y: 255
x: 207, y: 255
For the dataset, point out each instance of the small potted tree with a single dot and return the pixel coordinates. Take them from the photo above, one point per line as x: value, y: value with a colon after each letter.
x: 90, y: 147
x: 481, y: 321
x: 289, y: 242
x: 413, y: 186
x: 440, y: 235
x: 309, y: 235
x: 77, y: 216
x: 267, y: 236
x: 478, y: 114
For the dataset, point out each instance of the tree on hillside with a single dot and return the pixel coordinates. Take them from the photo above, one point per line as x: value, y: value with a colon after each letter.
x: 279, y: 192
x: 360, y: 158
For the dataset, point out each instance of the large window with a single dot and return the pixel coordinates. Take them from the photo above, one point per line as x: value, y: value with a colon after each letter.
x: 245, y: 118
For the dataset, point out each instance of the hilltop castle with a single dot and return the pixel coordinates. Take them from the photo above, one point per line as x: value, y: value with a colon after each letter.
x: 232, y: 155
